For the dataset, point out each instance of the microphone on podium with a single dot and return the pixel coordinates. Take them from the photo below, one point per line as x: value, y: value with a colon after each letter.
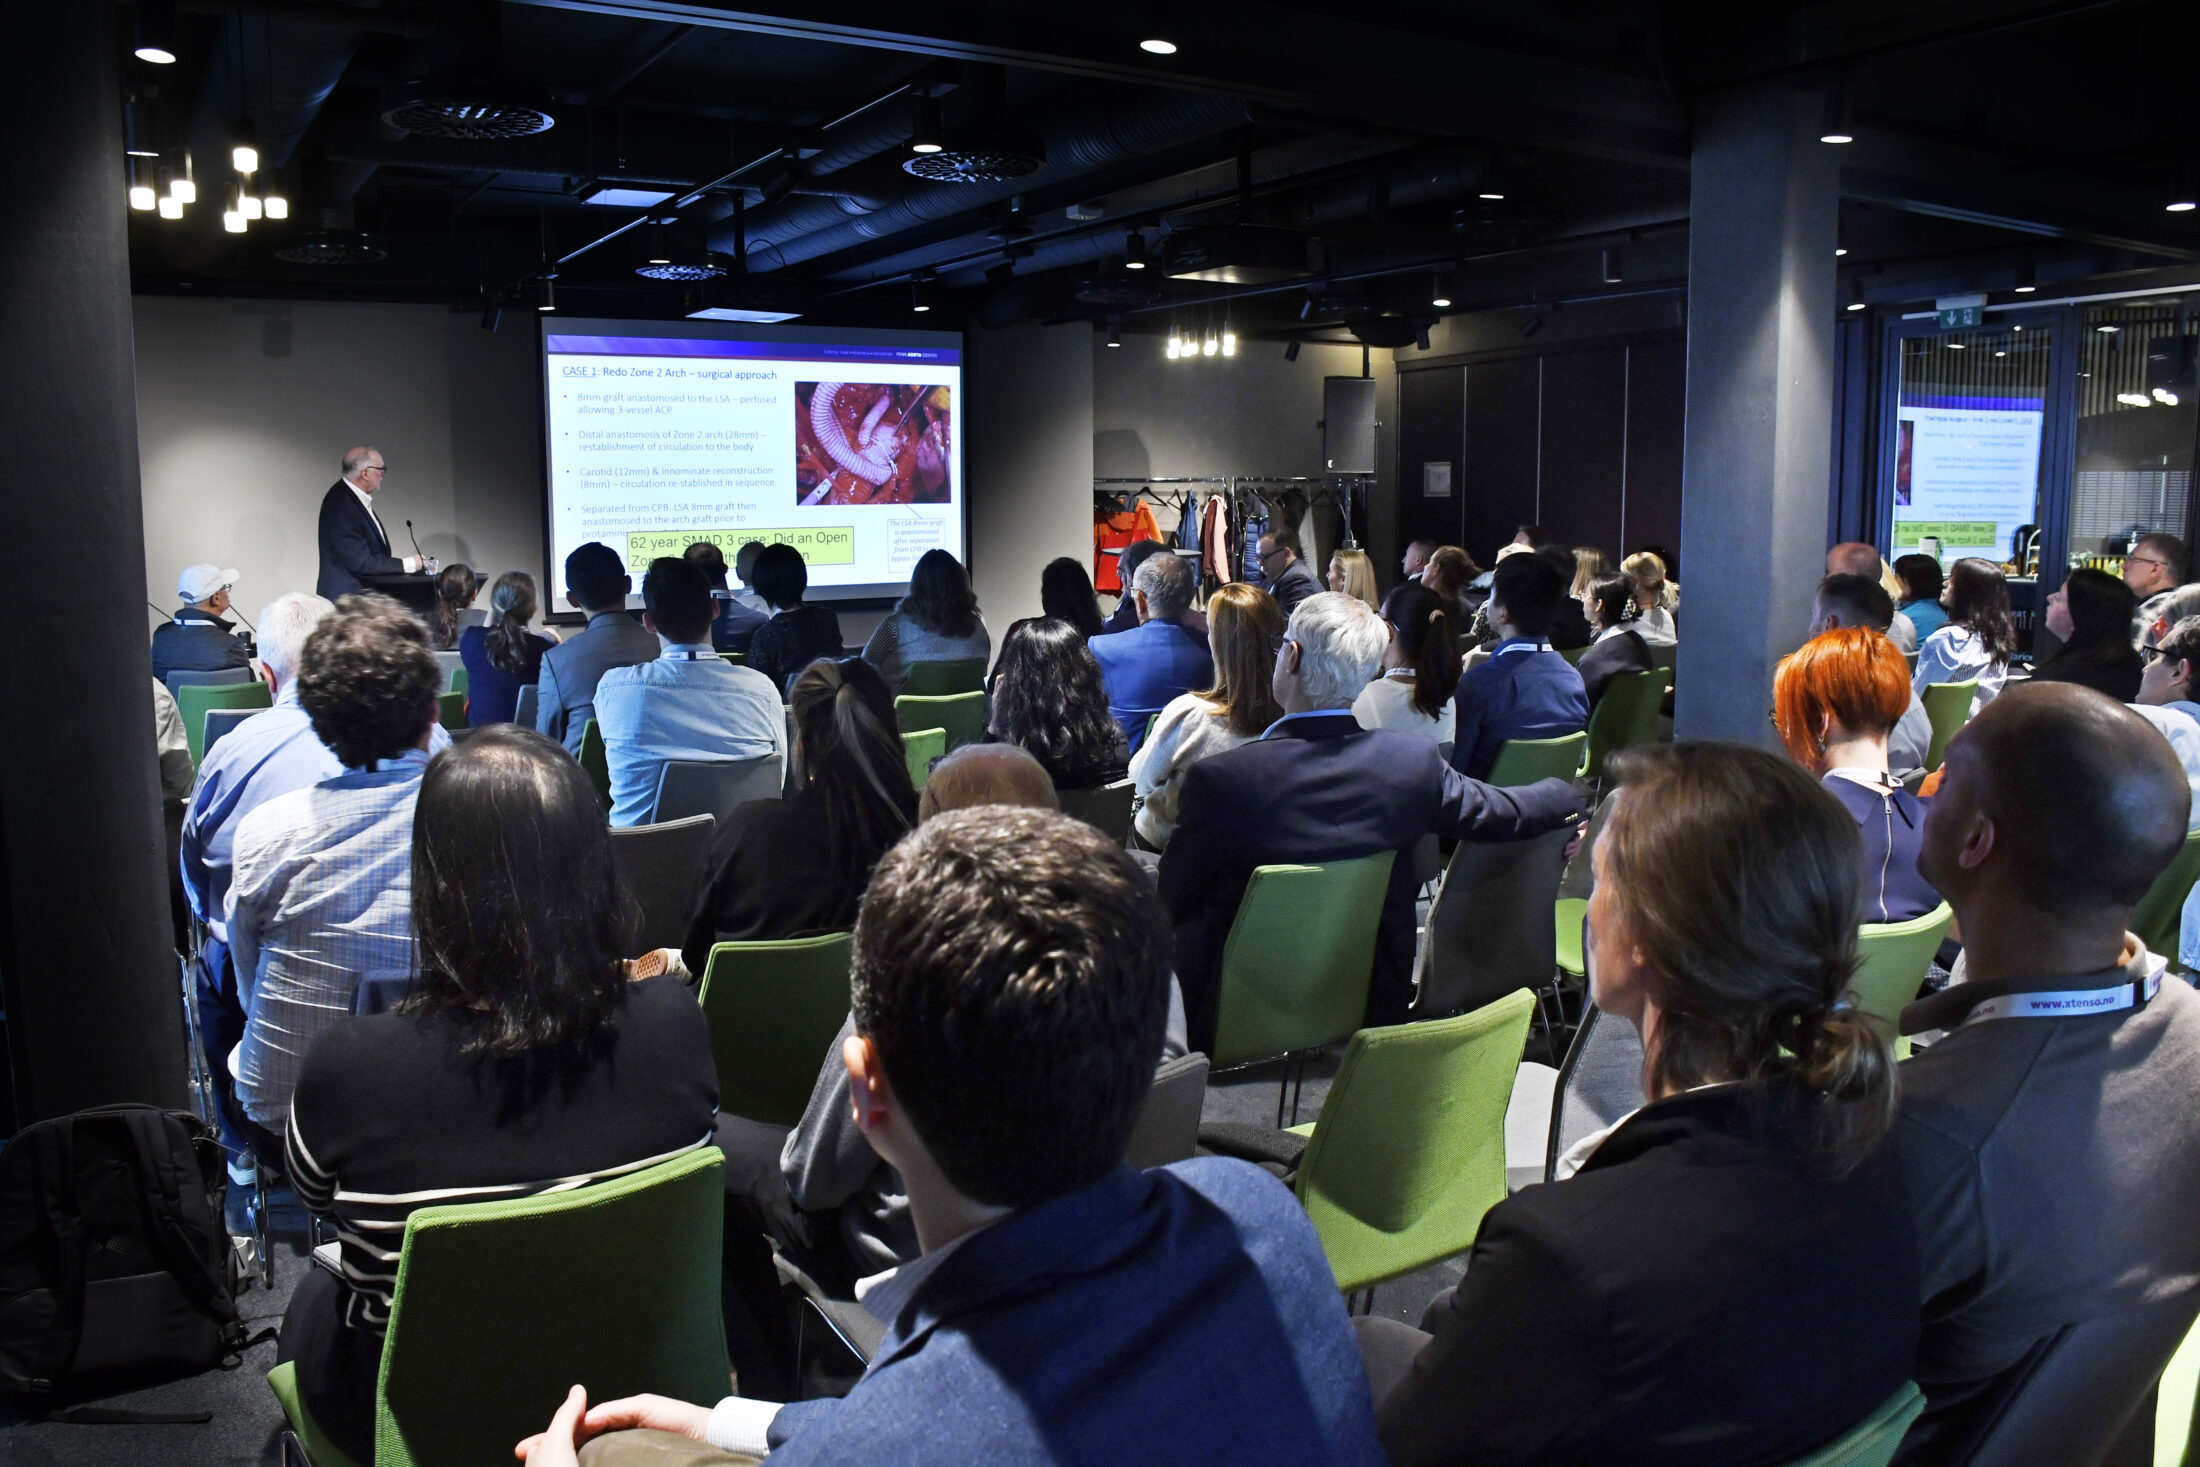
x: 416, y: 548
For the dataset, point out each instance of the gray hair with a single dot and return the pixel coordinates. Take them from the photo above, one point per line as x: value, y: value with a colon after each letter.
x: 354, y: 457
x: 1167, y: 582
x: 2183, y: 602
x: 285, y: 623
x: 1341, y: 642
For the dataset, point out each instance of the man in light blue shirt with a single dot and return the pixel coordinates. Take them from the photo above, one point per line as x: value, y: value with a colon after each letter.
x: 690, y: 704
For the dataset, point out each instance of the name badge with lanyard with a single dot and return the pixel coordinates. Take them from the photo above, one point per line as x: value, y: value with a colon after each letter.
x: 2077, y: 1003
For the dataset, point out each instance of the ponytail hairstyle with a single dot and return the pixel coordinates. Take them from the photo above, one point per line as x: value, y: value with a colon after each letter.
x: 1421, y: 621
x: 852, y: 755
x: 455, y: 586
x: 1978, y: 597
x: 1449, y: 571
x: 1740, y: 880
x: 1611, y: 600
x: 1243, y: 625
x: 511, y: 608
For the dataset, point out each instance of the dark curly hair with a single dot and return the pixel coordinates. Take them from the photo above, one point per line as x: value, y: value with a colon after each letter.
x: 1048, y: 698
x: 940, y: 599
x: 368, y: 680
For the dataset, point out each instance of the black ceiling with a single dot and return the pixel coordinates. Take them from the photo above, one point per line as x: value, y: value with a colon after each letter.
x: 1987, y: 134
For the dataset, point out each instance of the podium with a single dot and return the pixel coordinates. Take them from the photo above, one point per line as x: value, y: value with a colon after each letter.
x: 415, y: 593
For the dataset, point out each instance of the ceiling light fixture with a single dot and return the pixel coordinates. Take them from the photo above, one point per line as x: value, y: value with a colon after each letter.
x: 1155, y: 46
x: 170, y: 207
x: 1291, y: 350
x: 244, y: 147
x: 1440, y: 292
x: 2164, y: 396
x: 232, y: 212
x: 1115, y: 334
x: 920, y: 293
x: 549, y: 301
x: 2184, y: 194
x: 924, y: 125
x: 1856, y: 294
x: 1134, y: 250
x: 1610, y: 264
x: 155, y: 33
x: 1954, y: 345
x: 1839, y: 125
x: 1839, y: 251
x: 1209, y: 347
x: 1176, y: 346
x: 142, y: 197
x: 2110, y: 330
x: 2026, y: 284
x: 2134, y: 399
x: 1229, y: 342
x: 273, y: 200
x: 182, y: 187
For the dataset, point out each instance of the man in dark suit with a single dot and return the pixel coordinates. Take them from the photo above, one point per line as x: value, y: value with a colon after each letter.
x: 1289, y: 581
x: 1317, y: 787
x: 1010, y: 990
x: 1525, y: 690
x: 1161, y: 658
x: 353, y: 542
x: 596, y: 581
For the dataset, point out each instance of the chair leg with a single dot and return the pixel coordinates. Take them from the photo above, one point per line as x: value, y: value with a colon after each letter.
x: 263, y: 1237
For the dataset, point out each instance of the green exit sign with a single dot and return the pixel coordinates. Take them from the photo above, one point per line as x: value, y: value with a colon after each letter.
x: 1962, y: 318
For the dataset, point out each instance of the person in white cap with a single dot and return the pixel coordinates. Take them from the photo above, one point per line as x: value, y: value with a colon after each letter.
x: 197, y: 639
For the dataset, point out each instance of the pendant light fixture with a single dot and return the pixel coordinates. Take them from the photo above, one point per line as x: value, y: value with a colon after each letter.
x: 233, y: 210
x: 183, y: 187
x: 244, y: 147
x: 142, y: 197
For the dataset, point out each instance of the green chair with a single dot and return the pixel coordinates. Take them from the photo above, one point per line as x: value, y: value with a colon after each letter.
x: 1894, y: 957
x: 1873, y: 1441
x: 2157, y: 917
x: 460, y: 683
x: 944, y: 679
x: 920, y: 749
x: 1409, y: 1150
x: 962, y: 715
x: 774, y: 1008
x: 2174, y: 1403
x: 453, y: 709
x: 1524, y: 761
x: 594, y: 762
x: 193, y: 700
x: 1627, y: 715
x: 1948, y: 706
x: 482, y: 1347
x: 1569, y: 915
x: 1573, y: 655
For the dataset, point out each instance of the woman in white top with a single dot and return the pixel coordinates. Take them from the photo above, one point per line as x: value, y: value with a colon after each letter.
x: 1243, y: 623
x: 1979, y: 638
x: 1654, y: 599
x: 1420, y: 667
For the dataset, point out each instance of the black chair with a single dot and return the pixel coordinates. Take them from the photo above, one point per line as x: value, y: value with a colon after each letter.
x: 661, y: 867
x: 1490, y: 930
x: 220, y: 721
x: 694, y: 787
x: 1168, y: 1128
x: 1106, y: 808
x: 530, y: 702
x: 1600, y: 1082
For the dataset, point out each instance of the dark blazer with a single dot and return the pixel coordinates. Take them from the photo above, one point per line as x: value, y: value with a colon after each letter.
x: 1608, y: 658
x: 1183, y: 1314
x: 771, y: 876
x: 2116, y: 674
x: 196, y: 641
x: 351, y: 546
x: 1703, y: 1292
x: 1148, y: 666
x: 566, y: 699
x: 1522, y: 692
x: 1318, y: 787
x: 1293, y: 586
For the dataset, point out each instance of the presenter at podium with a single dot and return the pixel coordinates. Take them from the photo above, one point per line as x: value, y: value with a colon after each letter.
x: 353, y: 542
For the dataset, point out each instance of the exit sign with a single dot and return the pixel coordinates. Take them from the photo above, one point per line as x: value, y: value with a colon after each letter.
x: 1959, y: 318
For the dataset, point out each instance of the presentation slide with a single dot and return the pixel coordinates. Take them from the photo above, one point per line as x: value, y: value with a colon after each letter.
x: 1966, y: 473
x: 845, y: 444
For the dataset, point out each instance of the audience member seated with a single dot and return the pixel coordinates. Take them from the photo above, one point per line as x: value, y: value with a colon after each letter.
x: 523, y: 1060
x: 2176, y: 606
x: 2171, y: 678
x: 1978, y: 640
x: 1289, y: 581
x: 1125, y: 615
x: 1010, y: 992
x: 1627, y: 1314
x: 734, y: 622
x: 1525, y: 690
x: 796, y: 867
x: 1619, y: 646
x: 1066, y: 594
x: 1420, y: 667
x: 1589, y: 568
x: 798, y: 633
x: 1654, y: 599
x: 1569, y: 631
x: 1351, y: 573
x: 2154, y: 568
x: 1160, y: 659
x: 1243, y: 625
x: 1318, y: 787
x: 1859, y: 601
x: 2092, y: 614
x: 504, y: 656
x: 1854, y: 558
x: 2182, y: 733
x: 1922, y: 581
x: 596, y: 581
x: 1048, y: 698
x: 689, y: 704
x: 1416, y: 559
x: 937, y: 621
x: 455, y: 589
x: 320, y: 887
x: 1481, y: 632
x: 744, y: 570
x: 1463, y: 586
x: 1835, y: 702
x: 176, y: 769
x: 2049, y: 1135
x: 196, y: 639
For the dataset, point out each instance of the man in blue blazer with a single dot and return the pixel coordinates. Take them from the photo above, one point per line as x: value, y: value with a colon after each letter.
x: 1010, y: 988
x: 353, y: 542
x: 1161, y: 658
x: 1525, y: 690
x: 1317, y: 787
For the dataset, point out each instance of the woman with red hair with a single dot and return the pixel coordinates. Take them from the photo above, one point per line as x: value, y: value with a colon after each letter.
x: 1835, y: 702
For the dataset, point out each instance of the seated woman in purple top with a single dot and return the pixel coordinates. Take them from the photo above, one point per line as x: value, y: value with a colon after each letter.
x: 1835, y: 702
x: 502, y: 657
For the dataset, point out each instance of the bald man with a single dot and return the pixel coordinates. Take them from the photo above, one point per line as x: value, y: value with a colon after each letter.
x: 353, y: 542
x: 1855, y: 558
x: 2050, y: 1136
x: 986, y: 774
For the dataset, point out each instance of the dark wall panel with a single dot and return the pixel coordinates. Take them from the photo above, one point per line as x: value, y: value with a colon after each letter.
x: 1429, y: 406
x: 1584, y: 454
x: 1651, y: 515
x: 1498, y: 473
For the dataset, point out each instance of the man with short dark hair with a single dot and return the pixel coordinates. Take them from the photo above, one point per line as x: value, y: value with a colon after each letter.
x: 196, y: 638
x: 2049, y: 1136
x: 1161, y: 658
x: 1569, y: 630
x: 1135, y: 554
x: 1855, y: 558
x: 1010, y: 988
x: 1860, y: 601
x: 735, y: 623
x: 688, y: 704
x: 2154, y: 568
x: 1289, y: 581
x: 1416, y: 559
x: 1525, y: 690
x: 596, y: 581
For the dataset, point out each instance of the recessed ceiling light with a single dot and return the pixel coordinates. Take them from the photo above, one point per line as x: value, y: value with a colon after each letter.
x: 1953, y: 345
x: 1489, y: 194
x: 2110, y: 329
x: 1839, y: 251
x: 1442, y: 302
x: 625, y: 198
x: 2183, y: 206
x: 1158, y: 47
x: 1837, y: 137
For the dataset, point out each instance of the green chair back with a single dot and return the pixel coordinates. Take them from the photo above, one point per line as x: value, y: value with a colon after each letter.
x: 962, y: 715
x: 774, y: 1008
x: 1296, y: 965
x: 1873, y: 1442
x: 594, y: 762
x: 460, y: 683
x: 2174, y: 1403
x: 2160, y: 912
x: 1569, y: 914
x: 1409, y: 1151
x: 194, y: 699
x: 1894, y: 957
x: 1626, y: 716
x: 319, y: 1450
x: 920, y: 749
x: 1948, y: 706
x: 943, y: 679
x: 1524, y: 761
x: 452, y: 708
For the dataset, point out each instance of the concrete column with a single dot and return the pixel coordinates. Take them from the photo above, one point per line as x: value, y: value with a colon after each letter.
x: 1762, y: 225
x: 85, y: 954
x: 1029, y: 461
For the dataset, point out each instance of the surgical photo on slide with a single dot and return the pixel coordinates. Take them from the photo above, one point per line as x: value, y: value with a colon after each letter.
x: 870, y: 443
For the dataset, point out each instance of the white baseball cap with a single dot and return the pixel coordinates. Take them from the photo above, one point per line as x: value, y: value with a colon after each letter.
x: 201, y: 581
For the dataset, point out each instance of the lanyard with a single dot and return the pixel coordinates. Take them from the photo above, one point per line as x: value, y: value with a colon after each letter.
x: 1538, y: 645
x: 2078, y: 1003
x: 697, y: 656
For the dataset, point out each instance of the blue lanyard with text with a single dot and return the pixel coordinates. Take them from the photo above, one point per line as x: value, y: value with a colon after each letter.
x: 2077, y: 1003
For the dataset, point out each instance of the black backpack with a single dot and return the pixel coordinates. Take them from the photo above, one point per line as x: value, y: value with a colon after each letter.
x: 114, y: 1264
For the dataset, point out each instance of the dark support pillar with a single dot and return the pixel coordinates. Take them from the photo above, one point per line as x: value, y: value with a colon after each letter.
x: 1762, y: 222
x: 85, y: 954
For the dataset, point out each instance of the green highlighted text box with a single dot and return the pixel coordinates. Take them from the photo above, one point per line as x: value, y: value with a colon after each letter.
x: 820, y: 545
x: 1948, y: 532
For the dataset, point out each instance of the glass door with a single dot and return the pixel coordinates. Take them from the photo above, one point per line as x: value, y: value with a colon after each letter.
x: 2138, y: 420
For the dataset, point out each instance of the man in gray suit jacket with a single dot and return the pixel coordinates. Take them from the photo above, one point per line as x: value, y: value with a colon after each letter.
x: 596, y: 581
x: 2050, y: 1136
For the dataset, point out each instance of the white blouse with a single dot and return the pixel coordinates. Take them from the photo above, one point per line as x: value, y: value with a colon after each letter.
x: 1387, y: 702
x: 1186, y: 732
x: 1956, y: 654
x: 1656, y: 627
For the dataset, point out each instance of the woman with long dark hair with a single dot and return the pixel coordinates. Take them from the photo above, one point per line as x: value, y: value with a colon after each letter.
x: 1065, y: 593
x: 1978, y: 640
x: 524, y: 1058
x: 797, y: 867
x: 2092, y: 614
x: 455, y: 588
x: 1244, y: 623
x: 504, y: 656
x: 1048, y: 698
x: 1420, y: 667
x: 937, y: 621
